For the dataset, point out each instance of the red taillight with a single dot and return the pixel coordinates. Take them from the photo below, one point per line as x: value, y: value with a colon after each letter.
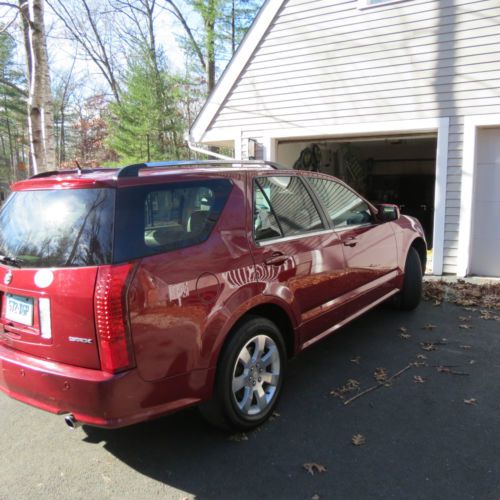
x: 111, y: 323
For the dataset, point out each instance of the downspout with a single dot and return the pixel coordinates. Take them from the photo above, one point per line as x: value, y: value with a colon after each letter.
x: 207, y: 152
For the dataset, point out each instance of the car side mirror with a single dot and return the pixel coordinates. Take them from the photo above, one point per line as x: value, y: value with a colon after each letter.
x: 388, y: 212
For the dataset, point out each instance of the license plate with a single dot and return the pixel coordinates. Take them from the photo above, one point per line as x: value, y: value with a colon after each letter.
x: 19, y: 309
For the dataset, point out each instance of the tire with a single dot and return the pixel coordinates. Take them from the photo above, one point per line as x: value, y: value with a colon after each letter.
x: 249, y: 376
x: 411, y: 293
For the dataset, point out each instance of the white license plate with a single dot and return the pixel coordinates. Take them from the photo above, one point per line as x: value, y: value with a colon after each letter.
x: 19, y: 309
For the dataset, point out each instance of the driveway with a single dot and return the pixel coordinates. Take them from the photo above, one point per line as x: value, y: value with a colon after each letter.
x: 431, y: 432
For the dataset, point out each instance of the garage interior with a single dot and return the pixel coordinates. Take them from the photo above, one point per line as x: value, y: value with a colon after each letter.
x: 396, y: 169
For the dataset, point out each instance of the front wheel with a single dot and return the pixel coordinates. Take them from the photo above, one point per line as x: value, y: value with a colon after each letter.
x: 249, y: 376
x: 411, y: 292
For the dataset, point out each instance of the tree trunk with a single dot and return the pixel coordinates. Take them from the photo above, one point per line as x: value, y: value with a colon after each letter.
x: 210, y: 34
x: 40, y: 113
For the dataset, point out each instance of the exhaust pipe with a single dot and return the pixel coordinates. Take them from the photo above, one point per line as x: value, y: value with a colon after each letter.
x: 72, y: 422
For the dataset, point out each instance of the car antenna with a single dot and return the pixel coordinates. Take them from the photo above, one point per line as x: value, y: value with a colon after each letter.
x: 78, y: 167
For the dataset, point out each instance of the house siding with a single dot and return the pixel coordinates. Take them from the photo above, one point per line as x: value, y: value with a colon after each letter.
x: 326, y: 63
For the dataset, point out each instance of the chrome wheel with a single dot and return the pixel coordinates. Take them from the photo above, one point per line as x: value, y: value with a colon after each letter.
x: 256, y: 375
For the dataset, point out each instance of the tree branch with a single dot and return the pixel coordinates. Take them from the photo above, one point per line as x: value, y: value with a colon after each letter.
x: 14, y: 87
x: 178, y: 14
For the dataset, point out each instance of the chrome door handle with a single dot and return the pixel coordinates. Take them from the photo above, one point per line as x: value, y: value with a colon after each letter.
x: 276, y: 259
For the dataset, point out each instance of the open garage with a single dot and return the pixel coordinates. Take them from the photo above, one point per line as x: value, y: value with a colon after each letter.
x: 393, y: 169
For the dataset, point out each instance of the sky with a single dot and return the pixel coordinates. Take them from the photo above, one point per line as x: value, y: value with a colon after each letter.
x: 61, y: 51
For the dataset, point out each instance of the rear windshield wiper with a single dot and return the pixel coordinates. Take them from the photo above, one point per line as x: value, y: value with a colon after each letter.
x: 10, y: 261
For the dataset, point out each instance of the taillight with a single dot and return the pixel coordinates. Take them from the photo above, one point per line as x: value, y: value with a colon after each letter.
x: 110, y: 315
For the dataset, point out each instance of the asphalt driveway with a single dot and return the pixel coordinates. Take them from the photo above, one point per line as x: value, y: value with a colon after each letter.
x: 431, y: 432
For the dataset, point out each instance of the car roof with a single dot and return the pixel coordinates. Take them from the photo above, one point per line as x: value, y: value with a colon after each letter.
x: 111, y: 177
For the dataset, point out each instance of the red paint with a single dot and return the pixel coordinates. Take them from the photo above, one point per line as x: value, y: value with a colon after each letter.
x: 169, y: 315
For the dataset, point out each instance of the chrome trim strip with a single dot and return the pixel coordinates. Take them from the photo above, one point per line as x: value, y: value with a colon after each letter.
x: 291, y: 238
x: 312, y: 341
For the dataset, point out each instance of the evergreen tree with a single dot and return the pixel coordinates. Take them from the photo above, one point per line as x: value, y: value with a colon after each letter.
x: 148, y: 123
x: 13, y: 126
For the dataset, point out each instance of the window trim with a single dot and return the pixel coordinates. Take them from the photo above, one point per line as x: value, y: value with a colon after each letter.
x: 365, y: 4
x: 284, y: 239
x: 319, y: 208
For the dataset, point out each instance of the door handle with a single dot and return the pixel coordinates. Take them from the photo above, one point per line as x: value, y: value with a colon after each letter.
x: 350, y: 242
x: 276, y: 259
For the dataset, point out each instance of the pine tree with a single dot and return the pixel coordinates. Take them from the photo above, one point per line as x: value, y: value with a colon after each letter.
x: 148, y: 124
x: 13, y: 126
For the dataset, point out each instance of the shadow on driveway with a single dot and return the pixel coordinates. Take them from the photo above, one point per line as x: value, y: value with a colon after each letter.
x: 422, y: 440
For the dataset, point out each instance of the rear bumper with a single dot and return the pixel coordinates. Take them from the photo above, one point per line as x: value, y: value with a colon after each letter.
x: 95, y: 397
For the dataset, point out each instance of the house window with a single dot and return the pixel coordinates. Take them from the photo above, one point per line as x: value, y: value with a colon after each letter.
x: 363, y: 4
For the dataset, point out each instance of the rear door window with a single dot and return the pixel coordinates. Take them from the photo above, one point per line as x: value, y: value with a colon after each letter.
x: 155, y: 219
x: 283, y: 207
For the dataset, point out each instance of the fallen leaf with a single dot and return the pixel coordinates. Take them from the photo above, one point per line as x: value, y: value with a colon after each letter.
x: 315, y: 497
x: 380, y: 374
x: 471, y: 401
x: 436, y: 303
x: 465, y: 319
x: 313, y: 468
x: 421, y: 356
x: 443, y: 369
x: 418, y: 379
x: 405, y: 335
x: 403, y: 329
x: 468, y: 295
x: 355, y: 360
x: 488, y: 315
x: 448, y: 369
x: 465, y: 327
x: 238, y: 437
x: 350, y: 386
x: 429, y: 326
x: 428, y: 346
x: 465, y: 347
x: 274, y: 416
x: 358, y: 440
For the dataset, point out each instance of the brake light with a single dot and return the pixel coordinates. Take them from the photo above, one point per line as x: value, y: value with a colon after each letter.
x: 110, y: 315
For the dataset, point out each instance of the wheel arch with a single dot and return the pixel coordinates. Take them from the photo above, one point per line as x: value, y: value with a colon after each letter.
x: 419, y: 245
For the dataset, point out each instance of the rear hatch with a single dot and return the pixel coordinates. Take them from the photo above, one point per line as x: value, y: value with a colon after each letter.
x: 52, y: 243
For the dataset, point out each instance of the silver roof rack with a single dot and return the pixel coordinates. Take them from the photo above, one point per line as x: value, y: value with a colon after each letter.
x: 133, y: 170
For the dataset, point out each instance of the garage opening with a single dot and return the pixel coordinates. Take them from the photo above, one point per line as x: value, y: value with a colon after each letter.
x: 395, y: 169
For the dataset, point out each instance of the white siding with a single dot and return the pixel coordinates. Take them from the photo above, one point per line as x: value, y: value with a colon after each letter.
x: 329, y: 63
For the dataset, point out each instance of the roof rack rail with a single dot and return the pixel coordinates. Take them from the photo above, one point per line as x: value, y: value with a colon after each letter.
x: 63, y: 172
x: 133, y: 170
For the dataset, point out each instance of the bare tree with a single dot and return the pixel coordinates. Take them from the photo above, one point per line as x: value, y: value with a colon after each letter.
x: 40, y: 110
x: 65, y: 87
x: 90, y: 28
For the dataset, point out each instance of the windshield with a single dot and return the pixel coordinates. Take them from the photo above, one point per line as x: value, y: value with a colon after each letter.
x: 58, y: 228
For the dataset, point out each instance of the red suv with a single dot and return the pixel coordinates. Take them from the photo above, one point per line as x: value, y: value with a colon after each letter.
x: 130, y: 293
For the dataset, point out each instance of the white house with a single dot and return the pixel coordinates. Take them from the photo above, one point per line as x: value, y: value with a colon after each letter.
x: 399, y: 97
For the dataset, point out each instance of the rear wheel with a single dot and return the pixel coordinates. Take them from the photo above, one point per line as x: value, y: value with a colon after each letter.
x: 249, y: 376
x: 411, y: 293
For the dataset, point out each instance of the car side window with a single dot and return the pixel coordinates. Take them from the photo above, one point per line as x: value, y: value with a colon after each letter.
x: 283, y: 207
x: 344, y: 208
x: 157, y: 218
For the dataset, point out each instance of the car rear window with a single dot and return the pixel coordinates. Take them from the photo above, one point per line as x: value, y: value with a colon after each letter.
x: 158, y: 218
x: 58, y: 228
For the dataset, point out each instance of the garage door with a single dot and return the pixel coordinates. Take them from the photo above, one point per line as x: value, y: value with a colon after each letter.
x: 485, y: 259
